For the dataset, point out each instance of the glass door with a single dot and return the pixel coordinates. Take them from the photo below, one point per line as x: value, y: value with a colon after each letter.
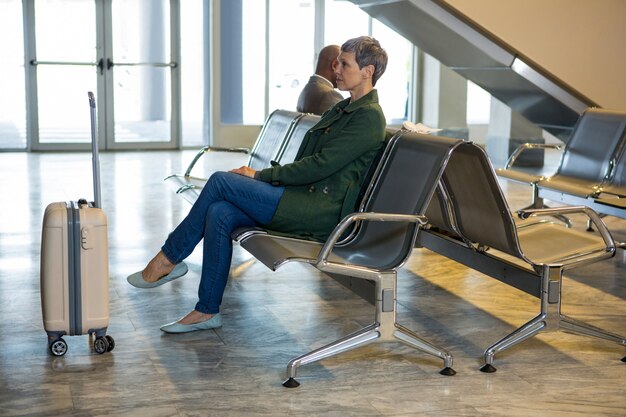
x: 62, y: 67
x: 142, y: 74
x: 12, y: 101
x: 124, y: 51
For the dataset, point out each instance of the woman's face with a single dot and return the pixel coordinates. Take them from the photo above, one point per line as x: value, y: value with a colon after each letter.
x: 349, y: 76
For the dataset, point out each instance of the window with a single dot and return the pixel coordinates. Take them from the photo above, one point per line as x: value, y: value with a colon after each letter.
x: 194, y: 63
x: 253, y: 61
x: 291, y: 32
x: 142, y: 90
x: 344, y: 20
x: 271, y: 76
x: 478, y: 105
x: 393, y: 87
x: 12, y: 85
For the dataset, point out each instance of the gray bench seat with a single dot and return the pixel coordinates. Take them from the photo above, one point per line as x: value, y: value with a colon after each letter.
x: 587, y: 166
x: 279, y: 140
x: 470, y: 222
x: 382, y: 238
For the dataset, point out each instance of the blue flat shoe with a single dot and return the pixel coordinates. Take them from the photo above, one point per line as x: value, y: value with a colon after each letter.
x: 136, y: 280
x: 212, y: 323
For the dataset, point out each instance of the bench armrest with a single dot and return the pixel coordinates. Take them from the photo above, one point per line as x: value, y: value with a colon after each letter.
x: 517, y: 152
x: 322, y: 258
x: 591, y: 214
x: 208, y: 149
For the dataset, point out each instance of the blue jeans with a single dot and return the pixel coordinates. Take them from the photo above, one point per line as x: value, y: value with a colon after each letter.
x: 227, y: 201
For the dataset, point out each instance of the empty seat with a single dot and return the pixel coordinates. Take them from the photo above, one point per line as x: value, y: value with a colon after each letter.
x: 532, y: 256
x: 289, y: 149
x: 586, y: 163
x: 274, y: 135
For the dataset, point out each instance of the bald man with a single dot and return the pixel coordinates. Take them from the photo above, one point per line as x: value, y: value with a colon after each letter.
x: 319, y: 93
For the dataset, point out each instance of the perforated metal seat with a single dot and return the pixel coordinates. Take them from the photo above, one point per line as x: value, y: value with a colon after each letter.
x: 275, y: 132
x: 586, y: 163
x: 532, y: 256
x: 279, y: 135
x: 289, y: 149
x: 400, y: 191
x: 612, y: 194
x: 590, y: 154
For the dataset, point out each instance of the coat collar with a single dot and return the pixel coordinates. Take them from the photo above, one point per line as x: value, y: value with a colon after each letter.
x: 344, y: 106
x: 367, y: 99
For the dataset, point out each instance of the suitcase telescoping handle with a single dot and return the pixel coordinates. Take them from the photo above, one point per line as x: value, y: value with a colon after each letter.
x: 94, y: 152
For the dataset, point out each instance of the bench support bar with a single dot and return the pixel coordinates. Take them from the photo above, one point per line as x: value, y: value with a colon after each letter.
x: 384, y: 329
x: 538, y: 203
x: 549, y: 319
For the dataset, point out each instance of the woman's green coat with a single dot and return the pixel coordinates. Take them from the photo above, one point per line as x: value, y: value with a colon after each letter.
x: 323, y: 184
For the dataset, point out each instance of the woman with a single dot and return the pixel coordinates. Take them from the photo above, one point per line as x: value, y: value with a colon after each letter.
x: 306, y: 198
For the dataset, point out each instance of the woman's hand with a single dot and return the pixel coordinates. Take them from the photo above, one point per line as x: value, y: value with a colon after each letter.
x: 245, y: 171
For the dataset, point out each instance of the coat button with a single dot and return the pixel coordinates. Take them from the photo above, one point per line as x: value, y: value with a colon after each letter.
x: 325, y: 190
x: 327, y: 130
x: 311, y: 188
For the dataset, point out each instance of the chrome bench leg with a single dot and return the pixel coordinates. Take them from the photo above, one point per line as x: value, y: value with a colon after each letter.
x: 578, y: 327
x: 589, y: 227
x: 550, y: 319
x: 352, y: 341
x: 408, y: 337
x: 385, y: 329
x: 529, y: 329
x: 537, y: 203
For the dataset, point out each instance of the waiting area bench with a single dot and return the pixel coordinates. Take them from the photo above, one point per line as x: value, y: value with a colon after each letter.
x: 592, y: 169
x: 470, y: 222
x: 380, y: 238
x: 279, y: 140
x: 433, y: 192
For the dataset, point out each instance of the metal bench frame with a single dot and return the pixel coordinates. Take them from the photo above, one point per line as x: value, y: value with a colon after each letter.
x: 279, y: 140
x: 385, y: 234
x: 587, y: 164
x: 470, y: 222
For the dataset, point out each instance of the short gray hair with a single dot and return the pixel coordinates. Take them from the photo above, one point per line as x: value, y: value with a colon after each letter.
x: 367, y: 51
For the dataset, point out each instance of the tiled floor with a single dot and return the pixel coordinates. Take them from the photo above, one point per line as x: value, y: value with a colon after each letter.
x: 270, y: 317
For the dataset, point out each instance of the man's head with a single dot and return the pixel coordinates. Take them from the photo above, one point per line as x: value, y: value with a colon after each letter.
x: 326, y: 62
x: 367, y: 51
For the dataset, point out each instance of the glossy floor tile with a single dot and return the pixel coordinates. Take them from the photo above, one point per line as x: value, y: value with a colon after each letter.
x: 271, y: 317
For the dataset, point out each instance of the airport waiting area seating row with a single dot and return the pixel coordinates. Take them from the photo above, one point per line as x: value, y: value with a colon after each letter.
x: 592, y: 169
x: 441, y: 194
x: 279, y: 141
x: 469, y: 221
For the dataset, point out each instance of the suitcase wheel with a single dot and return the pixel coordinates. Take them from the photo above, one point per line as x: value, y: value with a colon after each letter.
x: 111, y: 343
x: 58, y: 347
x: 101, y: 345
